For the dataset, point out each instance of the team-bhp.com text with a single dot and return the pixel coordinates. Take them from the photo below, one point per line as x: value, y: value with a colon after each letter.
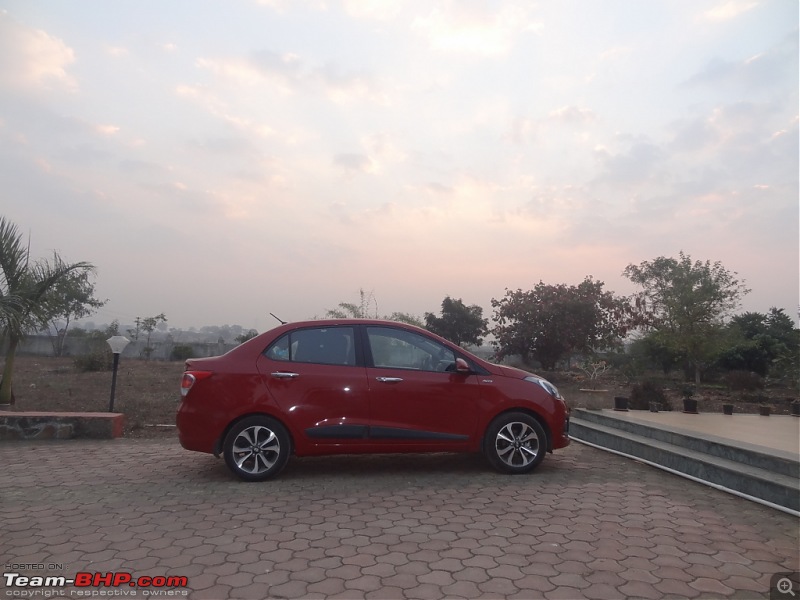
x: 158, y: 585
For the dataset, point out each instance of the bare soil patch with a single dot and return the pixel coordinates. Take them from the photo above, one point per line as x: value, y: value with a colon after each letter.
x: 147, y: 393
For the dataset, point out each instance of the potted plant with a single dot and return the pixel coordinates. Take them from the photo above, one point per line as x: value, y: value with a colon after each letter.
x: 593, y: 396
x: 764, y: 409
x: 648, y: 395
x: 689, y: 403
x: 795, y: 408
x: 727, y: 409
x: 621, y: 403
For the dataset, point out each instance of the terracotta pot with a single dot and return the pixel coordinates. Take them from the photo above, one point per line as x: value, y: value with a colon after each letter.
x: 592, y: 399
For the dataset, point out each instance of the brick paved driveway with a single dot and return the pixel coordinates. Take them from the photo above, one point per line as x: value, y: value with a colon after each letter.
x: 586, y: 524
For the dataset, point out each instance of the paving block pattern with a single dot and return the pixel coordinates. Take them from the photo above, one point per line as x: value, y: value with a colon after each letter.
x: 586, y: 524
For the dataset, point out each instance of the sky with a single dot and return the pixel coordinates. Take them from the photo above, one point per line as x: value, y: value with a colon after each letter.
x: 218, y: 161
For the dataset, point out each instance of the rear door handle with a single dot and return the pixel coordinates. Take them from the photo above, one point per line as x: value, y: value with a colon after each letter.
x: 284, y: 375
x: 389, y: 379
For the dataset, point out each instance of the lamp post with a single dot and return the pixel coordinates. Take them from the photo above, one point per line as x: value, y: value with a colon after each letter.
x: 117, y: 344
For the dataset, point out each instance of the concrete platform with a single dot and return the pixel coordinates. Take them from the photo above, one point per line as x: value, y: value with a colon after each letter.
x: 779, y: 433
x: 749, y: 455
x: 60, y: 425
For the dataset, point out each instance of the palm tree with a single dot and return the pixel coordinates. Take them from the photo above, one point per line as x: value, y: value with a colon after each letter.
x: 23, y: 293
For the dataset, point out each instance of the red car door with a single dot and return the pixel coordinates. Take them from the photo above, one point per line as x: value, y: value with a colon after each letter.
x: 313, y: 376
x: 417, y: 399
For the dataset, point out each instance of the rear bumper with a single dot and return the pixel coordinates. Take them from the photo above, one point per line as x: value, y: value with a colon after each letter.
x: 194, y: 433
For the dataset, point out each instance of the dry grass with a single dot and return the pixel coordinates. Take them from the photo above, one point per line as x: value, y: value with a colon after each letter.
x: 147, y: 391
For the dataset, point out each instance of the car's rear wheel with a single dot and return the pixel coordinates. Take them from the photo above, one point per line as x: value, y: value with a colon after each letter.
x: 514, y: 443
x: 257, y: 448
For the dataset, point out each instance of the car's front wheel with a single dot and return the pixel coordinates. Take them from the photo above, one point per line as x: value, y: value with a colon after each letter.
x: 514, y: 443
x: 257, y: 448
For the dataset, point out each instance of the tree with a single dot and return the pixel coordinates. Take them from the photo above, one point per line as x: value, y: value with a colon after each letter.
x: 551, y: 322
x: 147, y: 325
x: 71, y: 298
x: 24, y: 287
x: 686, y: 303
x: 658, y: 352
x: 459, y: 323
x: 367, y: 308
x: 766, y: 344
x: 402, y: 317
x: 247, y: 335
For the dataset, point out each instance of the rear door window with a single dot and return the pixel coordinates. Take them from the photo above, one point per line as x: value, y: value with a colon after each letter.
x: 318, y: 345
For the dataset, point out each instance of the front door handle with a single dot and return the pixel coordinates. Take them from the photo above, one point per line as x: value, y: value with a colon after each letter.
x: 389, y: 379
x: 284, y: 375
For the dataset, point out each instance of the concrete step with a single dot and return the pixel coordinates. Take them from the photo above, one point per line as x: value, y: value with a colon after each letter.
x: 60, y: 425
x: 769, y: 476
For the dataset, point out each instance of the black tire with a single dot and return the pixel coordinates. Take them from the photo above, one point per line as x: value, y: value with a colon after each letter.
x: 514, y: 443
x: 257, y: 448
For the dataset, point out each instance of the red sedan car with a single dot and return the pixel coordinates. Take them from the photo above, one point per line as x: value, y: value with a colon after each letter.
x: 358, y: 386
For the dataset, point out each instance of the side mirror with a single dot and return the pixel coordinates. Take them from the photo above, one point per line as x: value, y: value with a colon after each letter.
x: 462, y: 366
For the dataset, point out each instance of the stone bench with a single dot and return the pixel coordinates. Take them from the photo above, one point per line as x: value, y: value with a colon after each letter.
x: 60, y: 425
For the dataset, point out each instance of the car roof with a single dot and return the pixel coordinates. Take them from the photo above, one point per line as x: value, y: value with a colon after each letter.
x: 350, y: 321
x: 280, y: 329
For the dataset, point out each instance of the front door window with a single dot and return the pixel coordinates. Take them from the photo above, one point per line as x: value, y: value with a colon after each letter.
x: 400, y: 349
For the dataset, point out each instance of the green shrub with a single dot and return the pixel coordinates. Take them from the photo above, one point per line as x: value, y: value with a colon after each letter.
x: 755, y: 398
x: 642, y: 394
x: 181, y: 352
x: 101, y: 360
x: 744, y: 381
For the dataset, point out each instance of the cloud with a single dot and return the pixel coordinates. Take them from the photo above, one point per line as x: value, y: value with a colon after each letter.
x: 131, y: 166
x: 107, y: 129
x: 353, y: 163
x: 454, y: 134
x: 435, y: 189
x: 32, y: 59
x: 117, y: 51
x: 636, y: 165
x: 379, y: 10
x: 225, y: 146
x: 737, y: 146
x: 729, y: 10
x: 572, y: 114
x: 238, y: 71
x: 280, y: 6
x: 347, y: 214
x: 521, y: 129
x: 288, y: 73
x: 209, y: 100
x: 775, y: 66
x: 476, y: 27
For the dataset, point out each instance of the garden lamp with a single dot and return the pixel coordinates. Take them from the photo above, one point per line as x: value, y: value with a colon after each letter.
x: 117, y: 344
